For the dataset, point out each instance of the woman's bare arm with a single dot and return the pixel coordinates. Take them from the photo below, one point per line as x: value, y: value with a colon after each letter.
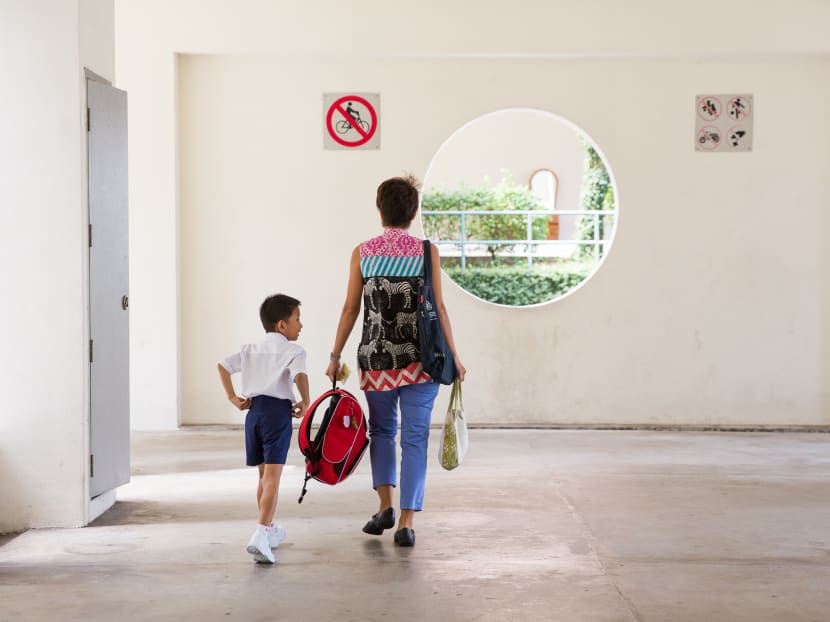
x: 351, y: 309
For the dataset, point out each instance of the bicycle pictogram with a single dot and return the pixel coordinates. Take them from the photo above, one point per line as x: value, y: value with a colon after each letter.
x: 708, y: 137
x: 343, y: 126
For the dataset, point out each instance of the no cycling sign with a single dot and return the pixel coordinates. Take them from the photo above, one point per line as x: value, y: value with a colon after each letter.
x: 351, y: 120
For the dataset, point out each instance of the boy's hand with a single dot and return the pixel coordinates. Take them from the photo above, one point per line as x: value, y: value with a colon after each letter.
x: 299, y: 409
x: 240, y: 403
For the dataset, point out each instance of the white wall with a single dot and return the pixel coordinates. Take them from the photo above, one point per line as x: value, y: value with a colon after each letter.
x: 710, y: 307
x: 519, y: 141
x: 43, y: 421
x: 96, y: 37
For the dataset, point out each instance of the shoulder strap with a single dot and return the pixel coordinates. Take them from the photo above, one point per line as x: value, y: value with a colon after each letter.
x: 427, y: 263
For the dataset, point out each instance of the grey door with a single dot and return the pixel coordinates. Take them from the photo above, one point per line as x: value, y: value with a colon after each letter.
x: 108, y: 289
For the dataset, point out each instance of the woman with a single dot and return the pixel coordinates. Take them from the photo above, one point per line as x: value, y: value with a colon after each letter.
x: 385, y: 272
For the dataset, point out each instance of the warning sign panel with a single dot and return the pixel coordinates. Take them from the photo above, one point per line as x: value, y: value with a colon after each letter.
x: 351, y: 120
x: 723, y: 123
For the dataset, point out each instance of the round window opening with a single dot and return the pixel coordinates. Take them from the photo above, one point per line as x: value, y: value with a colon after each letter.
x: 521, y: 205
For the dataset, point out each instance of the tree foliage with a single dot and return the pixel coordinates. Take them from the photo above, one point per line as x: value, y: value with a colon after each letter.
x: 506, y: 196
x: 597, y: 194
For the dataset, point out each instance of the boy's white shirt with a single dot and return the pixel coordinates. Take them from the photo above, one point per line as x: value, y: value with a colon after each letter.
x: 268, y: 367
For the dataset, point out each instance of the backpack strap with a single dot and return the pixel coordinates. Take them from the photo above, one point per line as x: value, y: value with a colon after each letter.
x: 305, y: 487
x: 308, y: 476
x: 427, y: 263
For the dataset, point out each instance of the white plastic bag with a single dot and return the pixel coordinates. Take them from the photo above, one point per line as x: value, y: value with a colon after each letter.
x: 454, y: 440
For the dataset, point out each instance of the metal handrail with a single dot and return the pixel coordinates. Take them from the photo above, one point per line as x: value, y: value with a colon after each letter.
x: 517, y: 212
x: 528, y: 242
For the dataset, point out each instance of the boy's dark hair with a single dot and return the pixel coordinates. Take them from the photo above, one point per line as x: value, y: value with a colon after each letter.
x: 276, y: 308
x: 398, y: 201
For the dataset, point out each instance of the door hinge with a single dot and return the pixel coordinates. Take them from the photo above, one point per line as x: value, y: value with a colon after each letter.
x: 91, y: 465
x: 90, y: 350
x: 90, y: 236
x: 88, y: 121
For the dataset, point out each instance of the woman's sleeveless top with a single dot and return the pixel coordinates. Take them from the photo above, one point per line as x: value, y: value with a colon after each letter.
x: 389, y: 356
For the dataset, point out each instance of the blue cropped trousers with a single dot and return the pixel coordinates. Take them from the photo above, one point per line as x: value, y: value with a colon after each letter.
x: 414, y: 402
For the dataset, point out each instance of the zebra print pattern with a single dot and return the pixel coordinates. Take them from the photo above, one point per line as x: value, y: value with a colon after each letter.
x: 375, y: 325
x: 364, y: 355
x: 401, y: 288
x: 392, y: 269
x: 405, y: 350
x: 406, y: 323
x: 390, y: 317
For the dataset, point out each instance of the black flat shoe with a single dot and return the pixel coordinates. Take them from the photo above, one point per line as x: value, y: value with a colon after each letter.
x: 380, y: 521
x: 405, y: 537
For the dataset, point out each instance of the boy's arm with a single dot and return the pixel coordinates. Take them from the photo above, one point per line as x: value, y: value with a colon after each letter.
x: 298, y: 410
x: 240, y: 402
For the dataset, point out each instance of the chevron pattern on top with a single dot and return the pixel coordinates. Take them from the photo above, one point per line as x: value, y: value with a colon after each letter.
x: 385, y: 265
x: 384, y: 380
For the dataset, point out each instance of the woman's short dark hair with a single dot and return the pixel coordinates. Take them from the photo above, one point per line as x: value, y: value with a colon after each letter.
x: 398, y: 201
x: 275, y: 309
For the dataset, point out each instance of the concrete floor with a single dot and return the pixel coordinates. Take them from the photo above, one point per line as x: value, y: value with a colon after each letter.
x: 536, y: 525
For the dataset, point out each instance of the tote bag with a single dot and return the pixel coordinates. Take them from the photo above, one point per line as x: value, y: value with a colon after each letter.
x: 454, y: 439
x: 436, y: 358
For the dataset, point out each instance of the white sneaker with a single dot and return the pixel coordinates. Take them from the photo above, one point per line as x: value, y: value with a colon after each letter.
x: 276, y: 534
x: 258, y: 547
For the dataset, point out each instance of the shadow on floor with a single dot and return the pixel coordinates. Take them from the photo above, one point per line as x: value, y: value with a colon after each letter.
x: 154, y: 512
x: 8, y: 537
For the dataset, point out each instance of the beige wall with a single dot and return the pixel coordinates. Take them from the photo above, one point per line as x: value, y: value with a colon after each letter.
x: 519, y: 141
x: 44, y: 432
x: 711, y: 305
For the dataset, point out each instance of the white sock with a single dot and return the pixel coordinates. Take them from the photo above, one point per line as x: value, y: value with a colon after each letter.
x: 261, y: 529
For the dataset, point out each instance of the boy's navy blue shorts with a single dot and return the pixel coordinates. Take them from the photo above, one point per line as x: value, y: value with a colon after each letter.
x: 267, y: 430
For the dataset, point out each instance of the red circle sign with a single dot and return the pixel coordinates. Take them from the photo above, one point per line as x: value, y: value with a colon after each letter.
x: 709, y: 108
x: 708, y: 137
x: 739, y: 108
x: 339, y: 121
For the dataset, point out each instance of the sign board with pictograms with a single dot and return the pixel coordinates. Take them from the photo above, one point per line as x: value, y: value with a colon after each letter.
x: 351, y: 121
x: 723, y: 122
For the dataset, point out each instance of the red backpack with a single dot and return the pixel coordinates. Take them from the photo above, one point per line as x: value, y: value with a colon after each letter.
x: 341, y: 440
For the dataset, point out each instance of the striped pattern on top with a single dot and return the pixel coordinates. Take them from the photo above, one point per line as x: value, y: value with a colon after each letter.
x: 384, y: 265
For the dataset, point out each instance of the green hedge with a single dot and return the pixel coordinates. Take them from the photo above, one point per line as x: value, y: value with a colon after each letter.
x: 506, y: 196
x: 515, y: 286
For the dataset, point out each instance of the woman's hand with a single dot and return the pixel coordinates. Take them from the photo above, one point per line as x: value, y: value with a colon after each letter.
x: 333, y: 369
x: 462, y: 371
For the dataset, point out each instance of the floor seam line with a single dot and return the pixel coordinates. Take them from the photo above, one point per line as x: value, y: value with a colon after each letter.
x: 592, y: 540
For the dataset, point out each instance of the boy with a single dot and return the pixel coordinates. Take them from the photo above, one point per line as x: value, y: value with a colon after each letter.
x: 268, y: 368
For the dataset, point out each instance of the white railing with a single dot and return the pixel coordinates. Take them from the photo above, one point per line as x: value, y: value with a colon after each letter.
x: 529, y: 243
